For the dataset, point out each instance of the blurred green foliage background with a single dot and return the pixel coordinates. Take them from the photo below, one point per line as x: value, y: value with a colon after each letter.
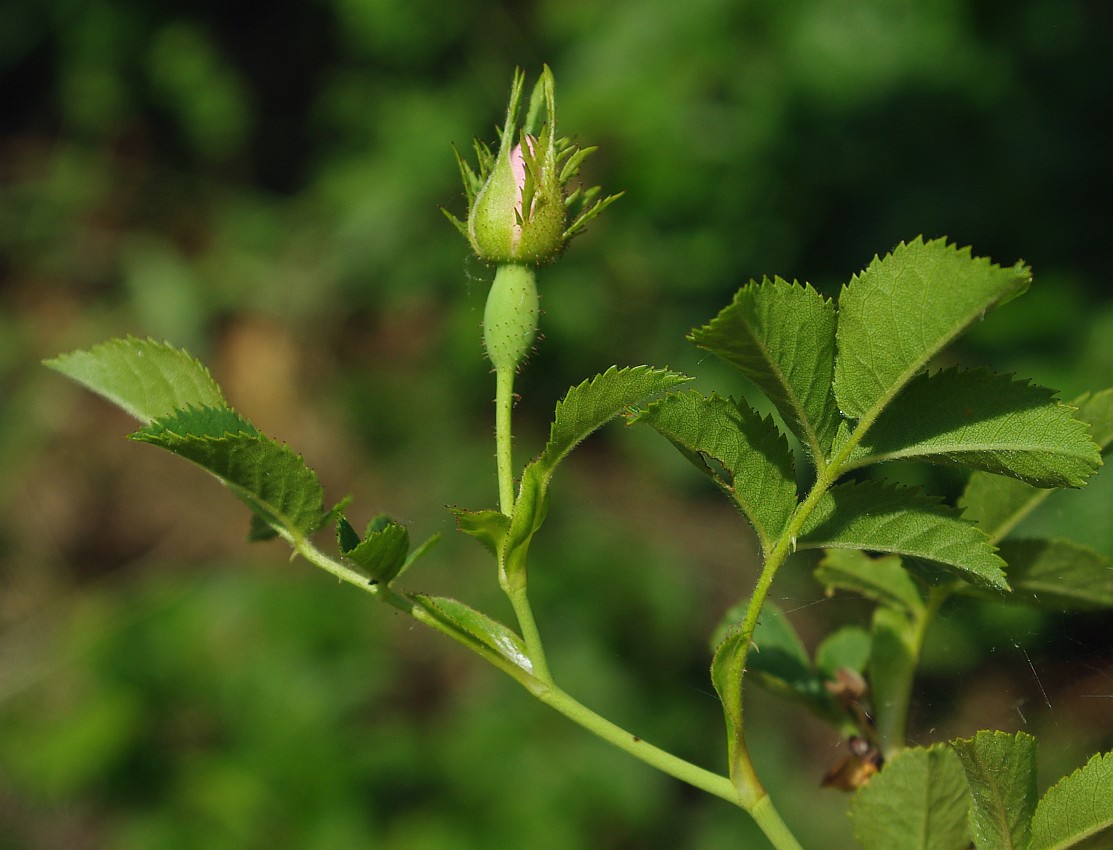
x: 260, y: 183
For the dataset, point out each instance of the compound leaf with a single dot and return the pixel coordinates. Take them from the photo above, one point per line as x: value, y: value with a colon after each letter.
x: 1077, y: 812
x: 905, y: 308
x: 742, y: 452
x: 147, y: 379
x: 917, y: 802
x: 1001, y: 772
x: 781, y: 336
x: 984, y: 421
x: 880, y: 517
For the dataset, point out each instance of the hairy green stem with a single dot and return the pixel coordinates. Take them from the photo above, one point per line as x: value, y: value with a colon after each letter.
x: 504, y: 405
x: 541, y: 685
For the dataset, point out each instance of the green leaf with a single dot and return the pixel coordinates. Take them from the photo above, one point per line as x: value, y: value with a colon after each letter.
x: 750, y: 459
x: 493, y: 640
x: 984, y: 421
x: 884, y: 580
x: 1058, y: 574
x: 847, y: 648
x: 273, y: 481
x: 382, y: 551
x: 917, y: 802
x: 488, y: 527
x: 998, y: 504
x: 147, y: 379
x: 782, y: 337
x: 584, y: 409
x: 1001, y: 772
x: 594, y: 403
x: 200, y: 422
x: 1097, y: 409
x: 880, y: 517
x: 903, y: 310
x: 1077, y: 812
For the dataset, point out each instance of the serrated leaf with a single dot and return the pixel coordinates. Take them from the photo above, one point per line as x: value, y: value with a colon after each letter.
x: 490, y: 636
x: 1001, y: 772
x: 147, y: 379
x: 273, y: 481
x: 584, y: 409
x: 998, y: 504
x: 983, y: 421
x: 201, y: 422
x: 587, y: 407
x: 884, y: 580
x: 903, y: 309
x: 488, y: 527
x: 782, y: 337
x: 1077, y: 812
x: 1058, y: 574
x: 917, y: 802
x: 880, y: 517
x: 752, y: 460
x: 382, y: 551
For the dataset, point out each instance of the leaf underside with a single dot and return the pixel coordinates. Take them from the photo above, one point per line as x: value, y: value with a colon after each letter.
x: 147, y: 379
x: 1058, y: 574
x: 880, y: 517
x: 752, y: 462
x: 490, y: 635
x: 267, y: 476
x: 884, y: 579
x: 976, y: 419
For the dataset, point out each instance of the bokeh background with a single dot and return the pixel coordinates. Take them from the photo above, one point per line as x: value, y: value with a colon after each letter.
x: 260, y: 183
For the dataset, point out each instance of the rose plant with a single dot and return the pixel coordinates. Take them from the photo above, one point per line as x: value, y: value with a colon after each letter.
x: 851, y: 383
